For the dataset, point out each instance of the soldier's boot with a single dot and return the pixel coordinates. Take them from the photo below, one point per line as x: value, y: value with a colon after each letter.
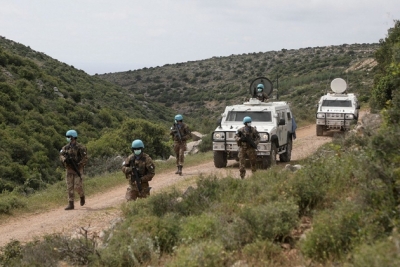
x: 180, y: 170
x: 82, y: 200
x: 242, y: 175
x: 177, y: 171
x: 70, y: 206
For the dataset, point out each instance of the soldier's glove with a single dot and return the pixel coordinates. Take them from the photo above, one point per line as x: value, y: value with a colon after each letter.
x: 128, y: 169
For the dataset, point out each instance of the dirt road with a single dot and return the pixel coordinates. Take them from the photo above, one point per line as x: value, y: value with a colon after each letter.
x: 102, y: 209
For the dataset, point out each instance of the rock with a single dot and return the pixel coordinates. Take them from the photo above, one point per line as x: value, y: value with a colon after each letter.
x: 171, y: 158
x: 293, y: 168
x: 188, y: 191
x: 192, y: 147
x: 196, y: 136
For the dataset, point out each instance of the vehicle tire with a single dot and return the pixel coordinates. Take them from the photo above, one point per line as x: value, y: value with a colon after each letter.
x: 285, y: 157
x: 264, y: 163
x: 272, y: 157
x: 320, y: 130
x: 220, y: 159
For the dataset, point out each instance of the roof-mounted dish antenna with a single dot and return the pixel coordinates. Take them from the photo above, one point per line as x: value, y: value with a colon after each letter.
x: 268, y: 87
x: 338, y: 85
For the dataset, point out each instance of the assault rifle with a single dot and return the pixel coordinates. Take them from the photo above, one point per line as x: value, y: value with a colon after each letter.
x: 248, y: 140
x: 135, y: 175
x: 177, y: 132
x: 71, y: 162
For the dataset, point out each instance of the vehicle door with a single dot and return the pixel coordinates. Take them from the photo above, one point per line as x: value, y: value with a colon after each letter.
x: 282, y: 127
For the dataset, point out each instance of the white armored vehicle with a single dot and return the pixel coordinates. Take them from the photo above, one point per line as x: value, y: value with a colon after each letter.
x: 273, y: 121
x: 337, y: 110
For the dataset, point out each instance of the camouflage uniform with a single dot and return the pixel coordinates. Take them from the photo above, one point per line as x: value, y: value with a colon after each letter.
x: 146, y: 170
x: 78, y: 153
x: 262, y: 96
x: 246, y: 149
x: 180, y: 145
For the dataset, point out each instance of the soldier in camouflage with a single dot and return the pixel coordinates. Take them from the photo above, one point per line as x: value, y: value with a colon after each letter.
x: 180, y: 133
x: 260, y: 94
x: 245, y: 137
x: 74, y: 158
x: 145, y: 169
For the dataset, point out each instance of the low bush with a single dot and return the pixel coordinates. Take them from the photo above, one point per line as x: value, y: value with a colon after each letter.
x: 334, y: 233
x: 9, y: 202
x: 206, y: 253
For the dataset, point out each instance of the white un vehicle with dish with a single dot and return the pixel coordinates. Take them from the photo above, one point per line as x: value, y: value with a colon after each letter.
x: 273, y: 121
x: 337, y: 110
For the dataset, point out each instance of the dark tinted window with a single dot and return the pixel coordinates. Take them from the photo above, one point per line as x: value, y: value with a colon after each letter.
x: 336, y: 103
x: 255, y: 116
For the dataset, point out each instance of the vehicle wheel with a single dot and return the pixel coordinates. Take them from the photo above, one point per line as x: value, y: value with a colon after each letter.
x: 320, y: 130
x: 264, y: 163
x: 285, y: 157
x: 272, y: 157
x: 220, y: 159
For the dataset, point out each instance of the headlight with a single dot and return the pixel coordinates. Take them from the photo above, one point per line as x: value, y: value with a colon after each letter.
x: 320, y: 115
x: 219, y: 136
x: 264, y: 137
x: 350, y: 116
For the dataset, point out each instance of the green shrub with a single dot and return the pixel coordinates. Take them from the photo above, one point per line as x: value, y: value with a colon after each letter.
x: 163, y: 203
x: 334, y: 232
x: 385, y: 252
x: 8, y: 202
x: 195, y: 228
x: 233, y: 232
x: 205, y: 253
x: 199, y: 200
x: 265, y: 253
x: 206, y: 143
x: 11, y: 253
x: 271, y: 221
x: 141, y: 250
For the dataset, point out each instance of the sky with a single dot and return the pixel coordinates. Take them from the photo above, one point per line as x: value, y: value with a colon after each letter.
x: 99, y: 36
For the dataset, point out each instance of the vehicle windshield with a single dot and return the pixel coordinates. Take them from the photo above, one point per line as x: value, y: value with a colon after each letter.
x: 337, y: 103
x: 264, y: 116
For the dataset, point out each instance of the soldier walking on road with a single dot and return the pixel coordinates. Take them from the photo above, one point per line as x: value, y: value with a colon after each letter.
x: 74, y: 158
x: 247, y: 139
x: 139, y: 169
x: 180, y: 133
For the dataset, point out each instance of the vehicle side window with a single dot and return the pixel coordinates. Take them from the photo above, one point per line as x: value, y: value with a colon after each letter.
x: 289, y: 116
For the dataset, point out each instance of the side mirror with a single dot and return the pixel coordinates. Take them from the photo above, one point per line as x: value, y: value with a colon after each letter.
x: 281, y: 122
x: 219, y: 122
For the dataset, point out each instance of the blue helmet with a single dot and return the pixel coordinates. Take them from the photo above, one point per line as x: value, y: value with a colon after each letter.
x: 260, y: 86
x: 137, y: 144
x: 72, y: 133
x: 246, y: 119
x: 179, y: 117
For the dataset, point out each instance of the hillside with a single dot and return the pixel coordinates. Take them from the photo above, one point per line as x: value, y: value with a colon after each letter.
x: 40, y: 99
x: 202, y: 88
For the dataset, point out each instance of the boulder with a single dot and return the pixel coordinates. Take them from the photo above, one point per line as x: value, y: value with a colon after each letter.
x: 196, y: 136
